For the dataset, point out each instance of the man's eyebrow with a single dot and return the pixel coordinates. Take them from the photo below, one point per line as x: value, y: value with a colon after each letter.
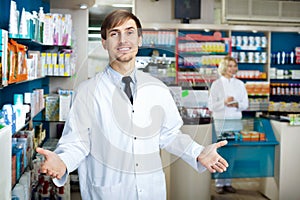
x: 117, y: 30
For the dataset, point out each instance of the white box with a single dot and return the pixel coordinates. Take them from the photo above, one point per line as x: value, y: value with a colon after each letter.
x: 64, y: 106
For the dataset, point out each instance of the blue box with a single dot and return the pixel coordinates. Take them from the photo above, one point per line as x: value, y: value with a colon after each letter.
x: 250, y: 159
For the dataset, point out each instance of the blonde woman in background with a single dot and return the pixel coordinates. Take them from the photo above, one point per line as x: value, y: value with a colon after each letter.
x: 228, y: 98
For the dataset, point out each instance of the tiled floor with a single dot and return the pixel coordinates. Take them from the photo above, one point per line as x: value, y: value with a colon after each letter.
x: 247, y: 189
x: 75, y: 196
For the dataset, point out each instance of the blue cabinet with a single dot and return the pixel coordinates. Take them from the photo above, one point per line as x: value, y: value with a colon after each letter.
x: 249, y: 159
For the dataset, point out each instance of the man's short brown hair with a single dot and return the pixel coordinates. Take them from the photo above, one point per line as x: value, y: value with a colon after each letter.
x: 116, y: 18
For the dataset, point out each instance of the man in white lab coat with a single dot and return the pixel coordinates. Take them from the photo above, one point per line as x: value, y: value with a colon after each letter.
x: 114, y: 136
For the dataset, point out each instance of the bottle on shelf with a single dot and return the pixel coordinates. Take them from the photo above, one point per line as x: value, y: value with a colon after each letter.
x: 278, y: 58
x: 283, y: 58
x: 292, y: 56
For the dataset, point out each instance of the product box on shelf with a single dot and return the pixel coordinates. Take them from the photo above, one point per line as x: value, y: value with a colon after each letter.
x: 3, y: 56
x: 52, y: 108
x: 34, y: 65
x: 64, y: 106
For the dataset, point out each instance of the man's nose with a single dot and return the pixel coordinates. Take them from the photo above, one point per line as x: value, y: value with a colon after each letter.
x: 122, y: 37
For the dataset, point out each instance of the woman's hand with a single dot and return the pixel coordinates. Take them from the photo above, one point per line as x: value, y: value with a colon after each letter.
x: 230, y: 102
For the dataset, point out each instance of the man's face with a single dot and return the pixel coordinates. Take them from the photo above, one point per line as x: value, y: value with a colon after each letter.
x: 122, y: 42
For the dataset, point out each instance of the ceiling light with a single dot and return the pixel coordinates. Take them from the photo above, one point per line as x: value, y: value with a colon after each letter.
x: 206, y: 30
x: 122, y: 5
x: 83, y: 6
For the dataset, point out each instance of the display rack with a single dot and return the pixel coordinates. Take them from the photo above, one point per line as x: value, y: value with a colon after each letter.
x: 198, y: 55
x: 251, y: 51
x: 285, y: 77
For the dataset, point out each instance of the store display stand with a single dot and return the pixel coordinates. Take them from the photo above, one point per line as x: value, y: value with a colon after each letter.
x: 250, y: 159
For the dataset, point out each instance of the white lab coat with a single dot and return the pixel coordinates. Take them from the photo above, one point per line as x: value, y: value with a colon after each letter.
x: 116, y: 145
x: 223, y: 88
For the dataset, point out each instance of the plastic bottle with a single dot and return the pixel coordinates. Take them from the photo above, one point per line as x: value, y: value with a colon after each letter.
x: 273, y: 58
x: 45, y: 195
x: 23, y: 25
x: 61, y: 195
x: 292, y: 55
x: 283, y: 58
x: 278, y: 58
x: 36, y: 25
x: 296, y: 90
x: 292, y: 89
x: 41, y: 24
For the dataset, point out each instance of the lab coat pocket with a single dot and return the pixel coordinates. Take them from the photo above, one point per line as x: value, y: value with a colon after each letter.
x: 111, y: 192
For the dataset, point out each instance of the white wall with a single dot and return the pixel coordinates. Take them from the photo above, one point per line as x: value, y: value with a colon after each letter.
x: 98, y: 58
x: 162, y: 11
x: 80, y: 37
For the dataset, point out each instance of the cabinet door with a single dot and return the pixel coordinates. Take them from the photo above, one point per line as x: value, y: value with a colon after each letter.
x: 5, y: 167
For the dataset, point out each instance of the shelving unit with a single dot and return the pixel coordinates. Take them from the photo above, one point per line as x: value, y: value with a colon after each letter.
x: 7, y: 92
x: 254, y: 71
x: 20, y: 87
x: 162, y: 41
x: 251, y: 51
x: 285, y: 79
x: 198, y: 55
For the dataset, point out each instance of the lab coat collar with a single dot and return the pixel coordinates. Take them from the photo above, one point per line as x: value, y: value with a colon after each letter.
x: 223, y: 78
x: 116, y: 77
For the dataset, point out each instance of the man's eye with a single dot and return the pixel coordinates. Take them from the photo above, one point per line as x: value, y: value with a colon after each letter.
x: 113, y: 34
x: 130, y: 32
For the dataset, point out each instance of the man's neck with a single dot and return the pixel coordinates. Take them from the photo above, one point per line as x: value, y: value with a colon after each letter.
x: 124, y: 68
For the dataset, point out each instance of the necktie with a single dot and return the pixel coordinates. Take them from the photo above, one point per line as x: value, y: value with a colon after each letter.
x: 127, y: 89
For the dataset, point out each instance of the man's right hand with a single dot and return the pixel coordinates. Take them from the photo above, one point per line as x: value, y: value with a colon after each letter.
x: 53, y: 166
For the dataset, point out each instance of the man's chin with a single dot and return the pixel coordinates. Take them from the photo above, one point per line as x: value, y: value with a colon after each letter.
x: 125, y: 58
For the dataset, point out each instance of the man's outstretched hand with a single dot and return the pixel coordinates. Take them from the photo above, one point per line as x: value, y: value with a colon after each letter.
x: 210, y: 158
x: 52, y: 166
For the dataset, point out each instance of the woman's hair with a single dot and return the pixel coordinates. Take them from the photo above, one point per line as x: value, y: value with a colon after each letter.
x: 116, y: 18
x: 223, y: 65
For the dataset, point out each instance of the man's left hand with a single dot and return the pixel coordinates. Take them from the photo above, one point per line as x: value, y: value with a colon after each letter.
x: 210, y: 159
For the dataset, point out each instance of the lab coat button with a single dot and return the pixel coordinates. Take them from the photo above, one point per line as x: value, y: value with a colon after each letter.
x: 136, y: 164
x: 134, y: 138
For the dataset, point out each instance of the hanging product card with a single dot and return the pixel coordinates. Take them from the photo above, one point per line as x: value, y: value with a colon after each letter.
x: 294, y: 119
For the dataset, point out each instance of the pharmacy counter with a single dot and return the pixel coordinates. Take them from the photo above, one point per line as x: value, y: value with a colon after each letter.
x: 286, y: 181
x: 184, y: 182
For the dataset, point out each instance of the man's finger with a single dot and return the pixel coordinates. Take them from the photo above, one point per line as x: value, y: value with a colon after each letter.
x: 221, y: 143
x: 42, y: 151
x: 224, y: 162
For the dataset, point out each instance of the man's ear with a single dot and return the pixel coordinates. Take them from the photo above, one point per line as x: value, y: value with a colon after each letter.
x: 104, y: 44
